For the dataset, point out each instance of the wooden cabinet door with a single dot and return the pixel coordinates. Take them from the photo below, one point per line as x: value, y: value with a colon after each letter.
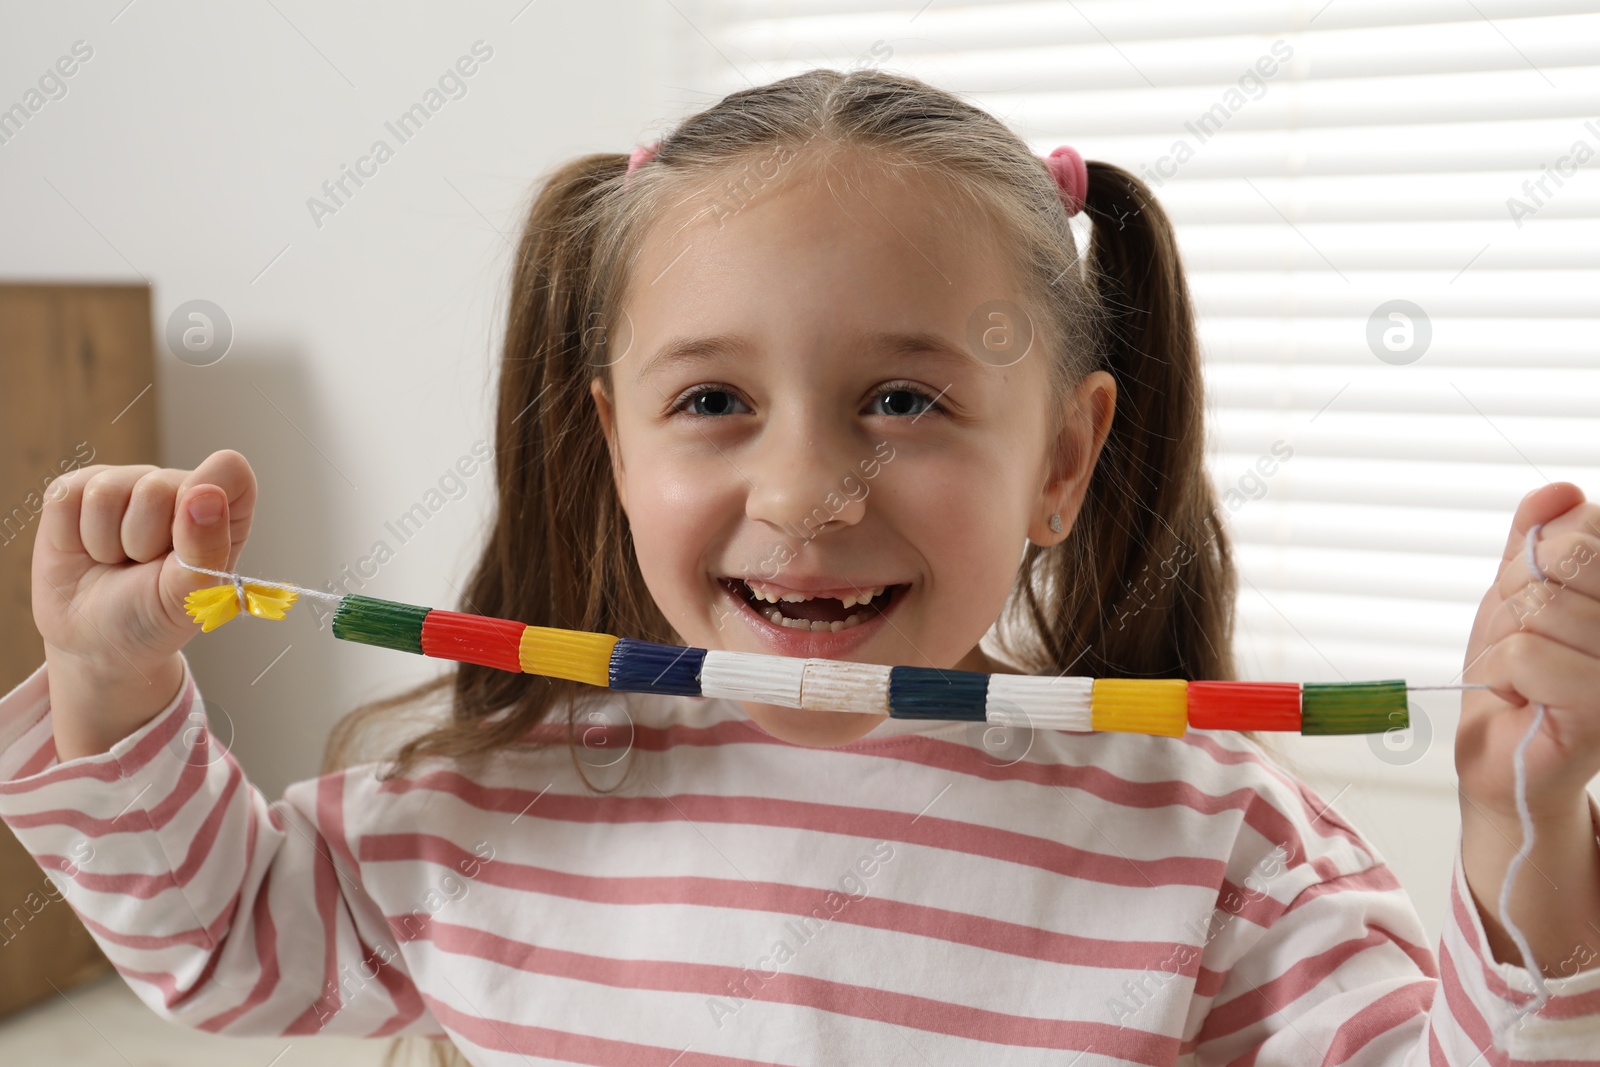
x: 76, y: 388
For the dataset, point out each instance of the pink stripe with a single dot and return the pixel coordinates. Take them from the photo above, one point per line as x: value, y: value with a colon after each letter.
x: 1476, y: 1028
x: 206, y: 834
x: 1379, y: 879
x: 1378, y: 1018
x: 565, y: 1046
x: 1206, y: 984
x: 839, y: 998
x: 199, y: 937
x: 131, y: 821
x: 1317, y: 816
x: 402, y: 993
x: 1374, y: 879
x: 934, y: 832
x: 1436, y: 1056
x: 152, y: 744
x: 265, y: 933
x: 330, y: 817
x: 956, y: 758
x: 917, y: 920
x: 190, y: 779
x: 146, y: 886
x: 1267, y: 910
x: 1561, y: 1006
x: 1466, y: 1014
x: 106, y: 768
x: 101, y: 770
x: 1259, y: 813
x: 40, y: 759
x: 1276, y: 994
x: 171, y: 995
x: 325, y: 884
x: 1264, y: 910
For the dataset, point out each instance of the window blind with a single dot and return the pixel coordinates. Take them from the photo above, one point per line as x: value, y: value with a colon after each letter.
x: 1390, y: 222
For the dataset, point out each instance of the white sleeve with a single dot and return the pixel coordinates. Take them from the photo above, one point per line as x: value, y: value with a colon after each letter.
x: 223, y: 911
x: 1344, y: 976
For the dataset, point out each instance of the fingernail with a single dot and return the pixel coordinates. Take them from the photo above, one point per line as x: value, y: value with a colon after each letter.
x: 205, y: 510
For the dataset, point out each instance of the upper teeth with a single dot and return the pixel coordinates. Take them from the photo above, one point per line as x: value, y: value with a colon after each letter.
x: 795, y: 598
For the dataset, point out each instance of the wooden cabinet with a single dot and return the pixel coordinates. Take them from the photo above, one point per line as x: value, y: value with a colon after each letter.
x: 77, y: 387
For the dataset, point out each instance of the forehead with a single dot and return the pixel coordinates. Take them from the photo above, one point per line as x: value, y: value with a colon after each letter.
x: 817, y: 246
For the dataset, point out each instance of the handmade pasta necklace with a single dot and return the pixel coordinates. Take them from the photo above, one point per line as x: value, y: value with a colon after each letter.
x: 1161, y: 706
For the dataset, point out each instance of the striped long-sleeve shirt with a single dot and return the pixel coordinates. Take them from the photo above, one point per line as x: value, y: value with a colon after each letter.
x: 922, y: 896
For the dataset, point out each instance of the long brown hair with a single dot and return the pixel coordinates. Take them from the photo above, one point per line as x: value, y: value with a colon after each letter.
x: 1144, y: 584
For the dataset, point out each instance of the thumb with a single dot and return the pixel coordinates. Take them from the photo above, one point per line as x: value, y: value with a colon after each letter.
x: 1547, y: 502
x: 200, y: 535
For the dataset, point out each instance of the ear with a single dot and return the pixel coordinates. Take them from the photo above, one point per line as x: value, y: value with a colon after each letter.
x: 608, y: 427
x: 1086, y: 424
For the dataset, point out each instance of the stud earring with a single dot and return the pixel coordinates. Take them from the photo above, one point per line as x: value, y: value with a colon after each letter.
x: 1055, y: 524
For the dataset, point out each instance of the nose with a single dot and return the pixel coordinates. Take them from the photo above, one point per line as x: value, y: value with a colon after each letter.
x: 805, y: 477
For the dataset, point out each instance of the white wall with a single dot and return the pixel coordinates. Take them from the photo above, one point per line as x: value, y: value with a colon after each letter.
x: 184, y: 151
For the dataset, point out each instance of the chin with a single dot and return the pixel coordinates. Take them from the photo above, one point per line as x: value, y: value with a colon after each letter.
x: 817, y: 729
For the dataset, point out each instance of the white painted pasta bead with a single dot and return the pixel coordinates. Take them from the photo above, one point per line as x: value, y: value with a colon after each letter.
x: 837, y: 685
x: 1048, y: 702
x: 752, y: 676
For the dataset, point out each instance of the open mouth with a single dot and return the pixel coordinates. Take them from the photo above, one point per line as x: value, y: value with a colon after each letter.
x: 803, y: 611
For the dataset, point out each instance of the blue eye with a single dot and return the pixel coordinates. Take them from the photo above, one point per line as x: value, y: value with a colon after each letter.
x: 707, y: 401
x: 903, y: 401
x: 896, y: 401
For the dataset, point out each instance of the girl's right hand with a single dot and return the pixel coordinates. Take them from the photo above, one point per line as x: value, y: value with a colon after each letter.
x: 108, y: 589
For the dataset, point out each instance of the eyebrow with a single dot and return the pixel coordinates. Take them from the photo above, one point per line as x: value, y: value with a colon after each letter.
x: 723, y: 348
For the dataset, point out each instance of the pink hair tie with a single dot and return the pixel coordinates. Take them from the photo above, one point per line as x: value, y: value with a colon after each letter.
x: 639, y: 158
x: 1072, y: 176
x: 643, y: 154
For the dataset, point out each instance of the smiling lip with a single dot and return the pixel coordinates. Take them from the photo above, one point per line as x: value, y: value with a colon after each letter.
x: 822, y: 644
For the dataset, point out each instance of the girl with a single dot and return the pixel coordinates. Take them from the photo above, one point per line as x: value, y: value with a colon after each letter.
x: 806, y: 382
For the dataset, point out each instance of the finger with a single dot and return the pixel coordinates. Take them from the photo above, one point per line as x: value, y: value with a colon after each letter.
x: 63, y: 503
x: 104, y: 499
x: 147, y: 522
x: 1540, y: 506
x: 1527, y: 668
x: 1569, y: 558
x: 1585, y: 516
x: 230, y: 472
x: 199, y: 537
x: 1560, y: 613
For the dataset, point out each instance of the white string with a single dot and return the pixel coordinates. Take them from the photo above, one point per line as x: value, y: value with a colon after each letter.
x: 1519, y: 769
x: 238, y: 581
x: 237, y: 578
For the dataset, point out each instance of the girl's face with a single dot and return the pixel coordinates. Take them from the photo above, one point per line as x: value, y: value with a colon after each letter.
x: 814, y: 458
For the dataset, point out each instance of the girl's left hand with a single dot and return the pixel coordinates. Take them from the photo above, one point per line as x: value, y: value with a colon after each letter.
x: 1536, y: 642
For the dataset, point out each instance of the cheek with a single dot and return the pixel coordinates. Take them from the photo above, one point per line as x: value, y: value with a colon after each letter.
x: 677, y: 510
x: 971, y: 517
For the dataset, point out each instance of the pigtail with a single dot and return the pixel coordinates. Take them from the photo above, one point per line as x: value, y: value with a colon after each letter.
x: 558, y: 551
x: 1144, y: 586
